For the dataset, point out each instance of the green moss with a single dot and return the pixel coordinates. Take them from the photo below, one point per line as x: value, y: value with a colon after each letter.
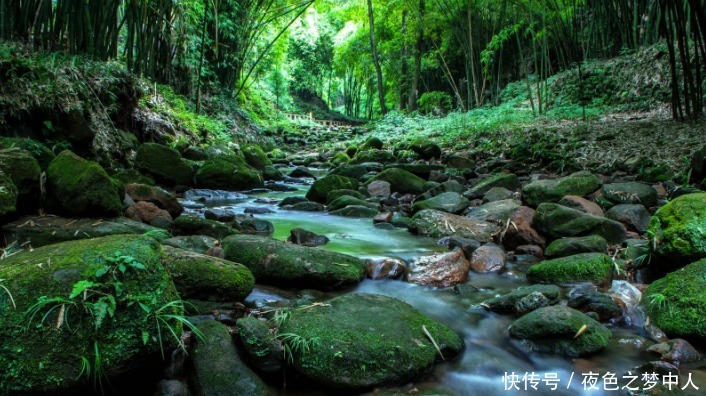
x: 132, y: 176
x: 228, y: 173
x: 22, y: 168
x: 83, y: 188
x: 541, y: 191
x: 158, y: 235
x: 346, y: 200
x: 351, y: 151
x: 275, y: 262
x: 40, y: 358
x: 386, y: 342
x: 585, y: 267
x: 8, y: 194
x: 426, y: 148
x: 381, y: 156
x: 679, y: 228
x: 677, y: 303
x: 509, y: 181
x: 570, y: 246
x: 401, y: 181
x: 39, y: 151
x: 322, y: 187
x: 373, y: 143
x: 557, y: 221
x: 356, y: 211
x: 255, y: 157
x: 335, y: 194
x: 340, y: 159
x: 164, y: 164
x: 207, y: 278
x: 506, y: 303
x: 191, y: 225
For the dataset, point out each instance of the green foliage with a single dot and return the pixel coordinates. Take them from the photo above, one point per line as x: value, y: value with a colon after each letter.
x: 169, y: 318
x: 435, y: 103
x: 294, y: 345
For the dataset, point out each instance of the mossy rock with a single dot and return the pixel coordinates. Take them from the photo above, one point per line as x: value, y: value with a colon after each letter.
x: 340, y: 159
x: 353, y: 171
x: 255, y: 156
x: 677, y: 303
x: 158, y: 235
x: 584, y: 267
x: 422, y: 170
x: 322, y: 187
x: 335, y: 194
x: 450, y: 202
x: 165, y: 164
x: 207, y: 278
x: 506, y: 180
x: 556, y: 329
x: 133, y: 176
x: 373, y: 143
x: 385, y: 344
x: 217, y: 369
x: 47, y: 230
x: 346, y: 200
x: 401, y: 181
x: 193, y: 243
x: 8, y: 194
x: 506, y: 303
x: 380, y: 156
x: 279, y: 263
x: 25, y: 173
x: 569, y: 246
x: 191, y: 225
x: 38, y: 358
x: 356, y: 211
x: 630, y: 193
x: 425, y: 148
x: 83, y: 188
x: 680, y: 229
x: 557, y: 221
x: 656, y: 174
x: 541, y: 191
x: 272, y: 173
x: 437, y: 224
x: 351, y: 151
x: 227, y: 173
x: 36, y: 149
x: 262, y: 349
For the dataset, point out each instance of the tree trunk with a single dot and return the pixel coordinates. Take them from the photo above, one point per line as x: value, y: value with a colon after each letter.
x: 414, y: 88
x: 376, y: 61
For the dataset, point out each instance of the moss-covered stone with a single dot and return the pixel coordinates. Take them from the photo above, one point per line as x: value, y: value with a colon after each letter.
x: 569, y: 246
x: 255, y: 156
x: 425, y: 148
x: 630, y: 193
x: 38, y: 358
x: 340, y: 159
x: 227, y: 173
x: 422, y: 170
x: 356, y: 172
x: 191, y: 225
x: 385, y: 344
x: 450, y: 202
x: 8, y: 194
x: 280, y: 263
x: 25, y: 172
x: 36, y: 149
x: 506, y: 180
x: 346, y: 200
x: 356, y: 211
x: 253, y: 226
x: 263, y: 350
x: 380, y: 156
x: 555, y: 329
x: 217, y: 367
x: 679, y: 228
x: 164, y: 164
x: 335, y: 194
x: 401, y: 181
x: 557, y: 221
x: 83, y: 188
x: 207, y: 278
x: 541, y: 191
x: 322, y: 187
x: 506, y: 303
x: 373, y: 143
x: 584, y: 267
x: 193, y: 243
x: 677, y: 303
x: 158, y: 235
x: 133, y: 176
x: 437, y: 224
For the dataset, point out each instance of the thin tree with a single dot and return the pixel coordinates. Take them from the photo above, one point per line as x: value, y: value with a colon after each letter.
x: 376, y: 61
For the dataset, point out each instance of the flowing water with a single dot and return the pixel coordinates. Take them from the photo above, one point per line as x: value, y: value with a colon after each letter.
x: 491, y: 358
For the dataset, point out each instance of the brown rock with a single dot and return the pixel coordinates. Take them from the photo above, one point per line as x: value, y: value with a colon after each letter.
x: 532, y: 250
x: 441, y: 269
x: 582, y: 204
x: 385, y: 268
x: 146, y: 212
x: 520, y: 230
x: 385, y: 217
x: 216, y: 251
x: 488, y: 258
x: 379, y: 188
x: 156, y: 195
x: 676, y: 351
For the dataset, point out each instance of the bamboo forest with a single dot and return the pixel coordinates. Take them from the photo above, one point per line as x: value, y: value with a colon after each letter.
x: 369, y: 197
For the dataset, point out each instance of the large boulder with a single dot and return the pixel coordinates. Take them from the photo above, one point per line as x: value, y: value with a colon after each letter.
x: 634, y: 217
x: 207, y: 278
x: 24, y: 171
x: 569, y: 246
x: 402, y: 181
x: 506, y: 180
x: 521, y: 231
x: 496, y: 211
x: 8, y: 194
x: 561, y: 330
x: 552, y: 190
x: 679, y: 230
x: 228, y: 173
x: 388, y: 342
x: 630, y: 193
x: 558, y: 221
x: 192, y: 225
x: 322, y: 187
x: 380, y: 156
x: 506, y: 303
x: 83, y: 188
x: 217, y: 369
x: 164, y: 164
x: 275, y: 262
x: 156, y: 195
x: 584, y: 267
x: 440, y: 269
x: 426, y: 148
x: 677, y: 303
x: 255, y: 156
x: 50, y: 326
x: 438, y: 224
x: 450, y: 202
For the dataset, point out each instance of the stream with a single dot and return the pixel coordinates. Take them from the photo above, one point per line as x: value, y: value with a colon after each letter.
x: 490, y: 353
